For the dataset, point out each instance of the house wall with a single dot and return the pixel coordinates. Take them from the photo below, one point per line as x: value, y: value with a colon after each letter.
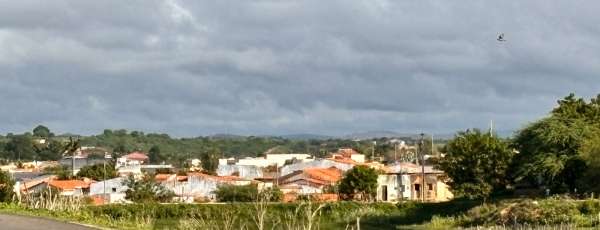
x: 245, y: 171
x: 320, y: 163
x: 387, y: 183
x: 197, y: 186
x: 360, y: 158
x: 280, y: 159
x: 443, y: 192
x: 434, y: 188
x: 273, y: 159
x: 398, y: 187
x: 74, y: 192
x: 97, y: 188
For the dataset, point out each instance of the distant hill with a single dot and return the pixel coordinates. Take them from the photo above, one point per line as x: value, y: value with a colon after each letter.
x: 375, y: 134
x: 226, y: 136
x: 306, y: 136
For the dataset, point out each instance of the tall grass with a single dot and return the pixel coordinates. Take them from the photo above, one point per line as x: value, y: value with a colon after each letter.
x: 51, y: 200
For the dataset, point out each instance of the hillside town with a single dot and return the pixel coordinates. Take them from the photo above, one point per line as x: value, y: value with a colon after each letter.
x: 295, y: 175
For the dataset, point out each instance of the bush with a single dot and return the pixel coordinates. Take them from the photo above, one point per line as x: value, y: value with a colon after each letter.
x: 146, y: 190
x: 273, y: 194
x: 590, y: 207
x: 6, y: 187
x: 234, y: 193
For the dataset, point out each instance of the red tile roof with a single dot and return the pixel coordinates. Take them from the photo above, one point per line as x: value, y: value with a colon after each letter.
x: 328, y: 175
x: 68, y: 184
x: 347, y: 152
x: 140, y: 156
x: 163, y: 177
x: 217, y: 178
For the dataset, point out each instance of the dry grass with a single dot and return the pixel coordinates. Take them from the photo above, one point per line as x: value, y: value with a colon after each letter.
x: 51, y: 200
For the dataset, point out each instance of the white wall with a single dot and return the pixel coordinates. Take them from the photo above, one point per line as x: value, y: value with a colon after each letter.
x: 97, y: 188
x: 273, y: 159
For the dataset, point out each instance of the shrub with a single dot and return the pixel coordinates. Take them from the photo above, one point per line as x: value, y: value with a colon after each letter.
x: 6, y: 187
x: 234, y: 193
x: 146, y: 190
x: 359, y: 183
x: 590, y: 207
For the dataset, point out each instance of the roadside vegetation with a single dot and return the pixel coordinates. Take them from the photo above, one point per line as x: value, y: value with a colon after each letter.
x: 543, y: 177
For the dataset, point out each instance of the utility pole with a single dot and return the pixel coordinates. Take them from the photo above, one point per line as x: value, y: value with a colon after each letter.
x: 373, y: 150
x: 491, y: 128
x: 432, y: 144
x: 73, y: 164
x: 422, y: 168
x: 104, y: 177
x: 396, y: 152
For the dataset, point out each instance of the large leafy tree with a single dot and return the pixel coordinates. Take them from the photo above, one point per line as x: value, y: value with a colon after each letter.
x: 42, y: 131
x: 476, y: 164
x: 359, y: 183
x: 6, y: 187
x: 154, y: 155
x: 146, y: 190
x: 236, y: 193
x: 20, y: 147
x: 51, y: 150
x: 210, y: 161
x: 551, y: 149
x: 98, y: 172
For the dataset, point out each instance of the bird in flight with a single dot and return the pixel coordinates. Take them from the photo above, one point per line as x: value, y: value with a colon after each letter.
x: 501, y: 38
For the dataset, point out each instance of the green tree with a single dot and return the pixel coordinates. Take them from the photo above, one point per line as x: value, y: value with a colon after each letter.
x: 61, y: 171
x: 20, y: 147
x: 52, y: 151
x: 210, y: 161
x: 359, y: 183
x: 97, y: 171
x: 6, y: 187
x: 476, y: 164
x: 551, y: 149
x: 42, y: 131
x: 154, y: 155
x: 146, y: 190
x: 236, y: 193
x: 590, y: 154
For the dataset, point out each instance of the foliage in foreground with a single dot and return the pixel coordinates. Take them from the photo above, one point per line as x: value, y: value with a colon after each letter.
x: 146, y: 190
x: 476, y: 164
x: 246, y: 193
x: 339, y: 215
x: 98, y: 172
x: 527, y: 212
x: 359, y: 183
x: 6, y: 187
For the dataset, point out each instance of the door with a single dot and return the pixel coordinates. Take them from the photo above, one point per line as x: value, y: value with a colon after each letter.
x: 417, y: 192
x: 384, y: 193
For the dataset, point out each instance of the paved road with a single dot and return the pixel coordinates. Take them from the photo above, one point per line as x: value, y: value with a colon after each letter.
x: 35, y: 223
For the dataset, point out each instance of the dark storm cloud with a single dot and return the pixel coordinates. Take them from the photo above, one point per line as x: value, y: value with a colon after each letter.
x: 275, y: 67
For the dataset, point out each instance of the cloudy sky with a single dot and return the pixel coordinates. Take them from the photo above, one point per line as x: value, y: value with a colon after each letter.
x: 192, y: 68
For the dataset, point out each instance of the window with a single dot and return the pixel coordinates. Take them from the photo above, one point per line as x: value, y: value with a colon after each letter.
x: 430, y: 187
x: 114, y: 189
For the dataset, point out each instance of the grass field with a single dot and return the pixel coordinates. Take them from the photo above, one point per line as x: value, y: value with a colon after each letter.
x: 554, y: 213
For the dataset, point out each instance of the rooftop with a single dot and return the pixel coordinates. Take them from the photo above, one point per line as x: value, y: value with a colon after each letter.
x: 69, y: 184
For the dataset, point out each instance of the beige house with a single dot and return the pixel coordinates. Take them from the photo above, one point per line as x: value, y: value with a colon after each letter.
x: 404, y: 181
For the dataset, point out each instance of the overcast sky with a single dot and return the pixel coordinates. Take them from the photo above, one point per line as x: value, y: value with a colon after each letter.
x: 192, y: 68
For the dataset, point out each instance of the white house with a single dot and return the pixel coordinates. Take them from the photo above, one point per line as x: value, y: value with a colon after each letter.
x: 243, y: 171
x: 199, y: 185
x: 274, y: 159
x: 318, y: 163
x: 114, y: 192
x: 134, y: 158
x: 404, y: 181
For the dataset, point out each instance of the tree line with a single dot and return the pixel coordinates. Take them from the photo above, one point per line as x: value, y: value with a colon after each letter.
x: 42, y: 144
x: 559, y: 153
